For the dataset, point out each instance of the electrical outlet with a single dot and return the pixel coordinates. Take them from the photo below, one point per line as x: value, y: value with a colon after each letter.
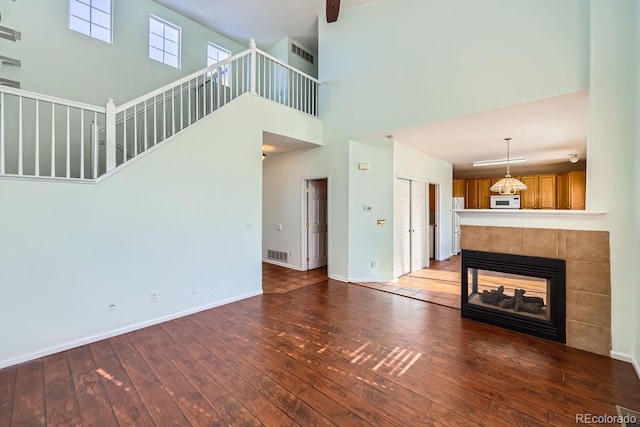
x: 153, y: 296
x: 113, y: 305
x: 196, y: 288
x: 374, y: 264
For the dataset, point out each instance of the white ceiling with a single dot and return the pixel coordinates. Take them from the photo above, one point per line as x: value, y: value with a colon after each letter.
x: 266, y: 21
x: 546, y: 132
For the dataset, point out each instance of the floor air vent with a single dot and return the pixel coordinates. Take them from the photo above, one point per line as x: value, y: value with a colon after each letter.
x: 277, y: 255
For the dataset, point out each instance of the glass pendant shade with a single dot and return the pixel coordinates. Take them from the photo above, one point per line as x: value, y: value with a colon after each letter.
x: 508, y: 185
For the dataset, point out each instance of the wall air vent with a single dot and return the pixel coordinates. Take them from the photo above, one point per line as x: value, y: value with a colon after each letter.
x: 277, y: 255
x: 301, y: 52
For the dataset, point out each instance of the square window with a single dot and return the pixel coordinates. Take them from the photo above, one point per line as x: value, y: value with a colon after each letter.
x: 92, y: 18
x: 216, y: 54
x: 164, y: 41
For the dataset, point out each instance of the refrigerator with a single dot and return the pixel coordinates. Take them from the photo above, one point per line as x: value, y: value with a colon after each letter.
x: 458, y: 203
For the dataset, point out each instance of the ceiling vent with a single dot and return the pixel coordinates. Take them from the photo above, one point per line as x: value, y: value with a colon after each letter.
x: 302, y: 53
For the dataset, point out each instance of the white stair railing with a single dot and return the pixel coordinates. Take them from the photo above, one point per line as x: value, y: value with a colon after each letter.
x: 146, y: 121
x: 43, y: 136
x: 286, y: 85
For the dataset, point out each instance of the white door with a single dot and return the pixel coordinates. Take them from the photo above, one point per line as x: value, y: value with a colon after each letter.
x: 316, y: 223
x: 402, y: 229
x: 419, y: 248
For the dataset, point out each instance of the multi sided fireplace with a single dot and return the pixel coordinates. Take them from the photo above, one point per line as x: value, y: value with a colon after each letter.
x: 522, y: 293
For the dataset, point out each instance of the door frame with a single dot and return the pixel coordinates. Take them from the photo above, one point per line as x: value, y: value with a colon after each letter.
x: 436, y: 221
x: 304, y: 248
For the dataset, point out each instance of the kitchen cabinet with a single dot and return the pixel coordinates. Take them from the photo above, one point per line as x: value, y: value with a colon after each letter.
x: 471, y: 194
x: 458, y: 188
x: 540, y: 192
x: 570, y: 190
x: 484, y: 193
x: 477, y: 193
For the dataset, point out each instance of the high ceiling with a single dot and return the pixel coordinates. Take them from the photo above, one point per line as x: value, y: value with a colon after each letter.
x: 266, y: 21
x: 546, y: 132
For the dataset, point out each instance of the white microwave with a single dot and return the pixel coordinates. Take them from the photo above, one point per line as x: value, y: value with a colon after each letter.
x: 505, y: 202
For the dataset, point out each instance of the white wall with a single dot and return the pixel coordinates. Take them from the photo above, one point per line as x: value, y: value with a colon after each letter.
x: 636, y: 354
x: 60, y: 62
x: 283, y: 177
x: 610, y: 148
x: 398, y: 63
x: 174, y: 218
x: 411, y: 163
x: 374, y: 187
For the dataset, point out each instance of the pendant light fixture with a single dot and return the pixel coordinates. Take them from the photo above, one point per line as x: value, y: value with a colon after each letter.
x: 508, y: 185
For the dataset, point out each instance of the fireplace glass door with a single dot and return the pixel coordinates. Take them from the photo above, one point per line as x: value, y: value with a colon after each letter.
x: 522, y: 293
x: 514, y: 293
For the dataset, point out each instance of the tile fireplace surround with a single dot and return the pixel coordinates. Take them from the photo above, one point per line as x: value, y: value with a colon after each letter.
x: 588, y: 280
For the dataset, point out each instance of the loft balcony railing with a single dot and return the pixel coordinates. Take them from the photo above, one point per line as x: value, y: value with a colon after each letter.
x: 47, y: 137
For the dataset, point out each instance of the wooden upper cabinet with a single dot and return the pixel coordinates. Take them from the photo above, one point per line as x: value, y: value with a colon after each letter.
x: 471, y: 194
x: 562, y: 191
x: 570, y: 190
x: 540, y: 192
x: 458, y: 188
x: 547, y: 191
x: 484, y: 193
x: 528, y: 197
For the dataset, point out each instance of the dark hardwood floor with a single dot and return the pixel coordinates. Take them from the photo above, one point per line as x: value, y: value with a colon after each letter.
x: 329, y: 353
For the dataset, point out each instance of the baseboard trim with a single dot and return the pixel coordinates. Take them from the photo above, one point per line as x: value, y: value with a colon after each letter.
x: 624, y: 357
x: 119, y: 331
x: 338, y: 278
x: 282, y: 264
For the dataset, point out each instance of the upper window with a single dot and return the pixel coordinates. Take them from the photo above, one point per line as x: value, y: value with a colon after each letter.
x: 164, y: 41
x: 216, y: 54
x: 91, y: 17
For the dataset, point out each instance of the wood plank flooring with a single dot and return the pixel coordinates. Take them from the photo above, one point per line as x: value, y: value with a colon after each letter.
x: 422, y: 287
x: 326, y: 354
x: 279, y: 280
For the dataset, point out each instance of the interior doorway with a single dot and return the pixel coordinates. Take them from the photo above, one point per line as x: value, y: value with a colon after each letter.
x: 410, y: 233
x: 316, y: 223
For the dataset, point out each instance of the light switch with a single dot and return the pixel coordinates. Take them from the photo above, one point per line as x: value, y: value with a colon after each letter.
x: 363, y: 166
x: 279, y: 227
x: 368, y: 208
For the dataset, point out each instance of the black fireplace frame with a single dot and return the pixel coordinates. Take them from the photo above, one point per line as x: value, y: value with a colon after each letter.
x: 547, y: 268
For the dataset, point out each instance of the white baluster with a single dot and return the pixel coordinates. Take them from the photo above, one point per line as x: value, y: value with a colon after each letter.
x: 135, y: 130
x: 94, y: 146
x: 20, y: 135
x: 37, y: 153
x: 53, y: 139
x: 110, y: 130
x: 81, y: 144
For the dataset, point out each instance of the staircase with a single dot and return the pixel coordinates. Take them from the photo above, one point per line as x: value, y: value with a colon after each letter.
x: 58, y: 139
